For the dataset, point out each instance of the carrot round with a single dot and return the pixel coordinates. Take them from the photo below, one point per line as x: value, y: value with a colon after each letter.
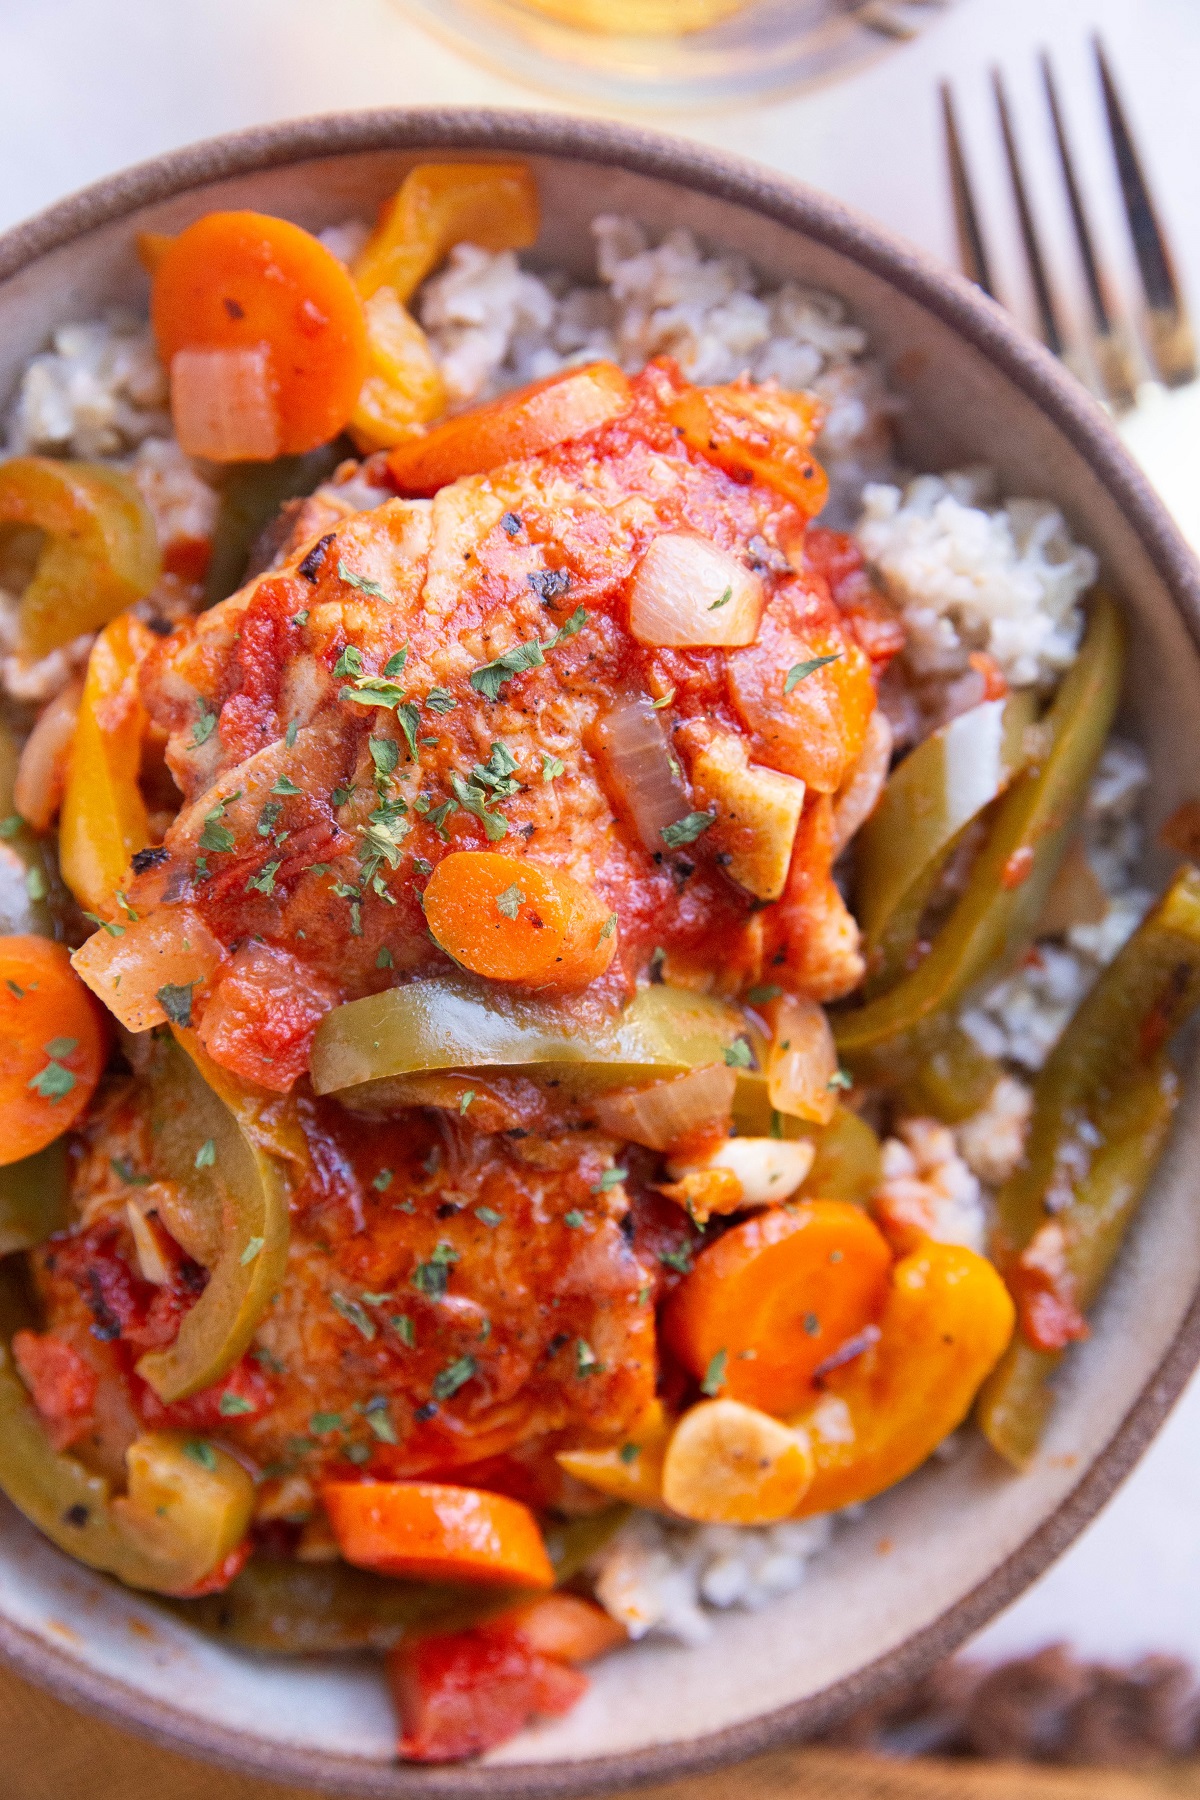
x: 512, y: 919
x: 52, y: 1045
x: 434, y: 1532
x: 242, y: 281
x: 524, y: 423
x: 775, y: 1297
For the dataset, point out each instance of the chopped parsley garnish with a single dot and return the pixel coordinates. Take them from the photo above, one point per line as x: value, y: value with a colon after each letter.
x: 552, y: 768
x: 447, y: 1381
x: 629, y: 1453
x: 53, y: 1082
x: 289, y: 736
x: 354, y: 1314
x: 726, y: 597
x: 569, y: 627
x: 377, y: 1413
x: 487, y: 1215
x: 286, y: 788
x: 124, y: 1171
x: 812, y: 1324
x: 421, y: 867
x: 264, y: 881
x: 231, y: 1406
x: 404, y: 1329
x: 586, y: 1361
x: 474, y: 799
x: 491, y: 677
x: 840, y: 1079
x: 394, y: 665
x: 60, y: 1047
x: 737, y: 1054
x: 510, y: 901
x: 384, y: 958
x: 252, y: 1250
x: 14, y: 989
x: 611, y: 1178
x: 687, y: 829
x: 206, y: 1155
x: 348, y: 663
x: 385, y: 754
x: 383, y: 1181
x: 714, y: 1375
x: 439, y: 815
x: 10, y: 826
x: 497, y: 772
x: 201, y: 1453
x: 175, y: 998
x: 574, y: 1219
x: 373, y: 690
x: 680, y: 1260
x: 216, y: 837
x: 666, y: 700
x: 800, y: 671
x: 324, y: 1424
x: 268, y: 818
x: 360, y: 582
x: 109, y: 925
x: 465, y: 1102
x: 432, y: 1278
x: 300, y: 618
x: 439, y: 701
x: 408, y: 717
x: 760, y: 996
x: 205, y: 725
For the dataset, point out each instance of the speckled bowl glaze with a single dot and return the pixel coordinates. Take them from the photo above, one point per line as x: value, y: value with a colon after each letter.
x: 934, y: 1559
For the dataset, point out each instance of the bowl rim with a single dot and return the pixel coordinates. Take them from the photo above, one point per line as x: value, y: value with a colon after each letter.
x: 1029, y: 367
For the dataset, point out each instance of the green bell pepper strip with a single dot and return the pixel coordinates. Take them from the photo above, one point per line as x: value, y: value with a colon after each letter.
x: 1102, y: 1106
x: 449, y: 1023
x: 204, y: 1138
x: 291, y: 1608
x: 1007, y: 888
x: 34, y: 1198
x: 67, y: 1502
x: 251, y: 496
x: 927, y: 804
x: 1015, y: 1401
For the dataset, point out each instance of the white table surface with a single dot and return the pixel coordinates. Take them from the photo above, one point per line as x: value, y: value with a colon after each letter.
x: 91, y: 86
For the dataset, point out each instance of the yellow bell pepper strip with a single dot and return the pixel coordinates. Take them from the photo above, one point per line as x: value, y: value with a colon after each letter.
x: 1102, y: 1105
x: 208, y: 1139
x: 187, y: 1507
x: 251, y: 496
x: 631, y: 1471
x: 947, y: 1321
x: 449, y: 1022
x: 404, y: 390
x: 1015, y: 1402
x: 29, y: 878
x: 847, y: 1164
x: 291, y: 1608
x: 34, y: 1196
x: 757, y: 431
x: 1011, y: 876
x: 100, y: 553
x: 104, y: 818
x: 928, y: 802
x: 438, y: 205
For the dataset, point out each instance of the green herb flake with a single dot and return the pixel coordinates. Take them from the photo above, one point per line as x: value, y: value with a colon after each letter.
x: 687, y: 829
x: 608, y: 927
x: 487, y: 1215
x: 216, y: 838
x: 349, y: 663
x: 378, y: 1416
x: 726, y: 597
x: 300, y: 618
x: 373, y: 690
x: 124, y: 1171
x: 206, y: 1155
x: 357, y: 1453
x: 447, y: 1381
x: 201, y: 1453
x: 802, y: 670
x: 552, y: 767
x: 812, y: 1324
x: 586, y: 1362
x: 840, y: 1079
x: 383, y: 1181
x: 491, y: 677
x: 680, y: 1260
x: 714, y: 1375
x: 466, y: 1100
x: 17, y: 992
x: 11, y: 826
x: 474, y: 800
x: 60, y: 1047
x: 287, y: 788
x: 268, y: 818
x: 252, y: 1250
x: 35, y: 887
x: 510, y: 901
x: 205, y: 725
x: 264, y: 881
x: 569, y: 627
x: 394, y: 666
x: 737, y: 1055
x: 109, y: 925
x: 439, y: 701
x: 629, y: 1453
x: 289, y: 736
x: 432, y: 1278
x: 176, y: 1001
x: 324, y: 1424
x: 408, y: 717
x: 385, y: 754
x: 763, y: 994
x: 360, y: 582
x: 404, y: 1329
x: 53, y: 1082
x: 574, y: 1219
x: 232, y: 1406
x: 354, y: 1314
x: 611, y: 1178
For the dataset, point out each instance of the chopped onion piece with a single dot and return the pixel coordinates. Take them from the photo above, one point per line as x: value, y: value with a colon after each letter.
x: 223, y: 404
x: 859, y: 793
x: 687, y: 591
x: 802, y: 1061
x: 638, y: 769
x: 664, y: 1115
x: 769, y: 1169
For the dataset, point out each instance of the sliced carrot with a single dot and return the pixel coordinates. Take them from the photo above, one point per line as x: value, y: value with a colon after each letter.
x: 52, y: 1045
x: 524, y: 423
x: 434, y: 1532
x: 772, y: 1299
x: 438, y: 205
x: 237, y: 281
x: 512, y: 919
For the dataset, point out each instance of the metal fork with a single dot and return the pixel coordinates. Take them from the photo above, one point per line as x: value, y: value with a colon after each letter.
x: 1113, y: 361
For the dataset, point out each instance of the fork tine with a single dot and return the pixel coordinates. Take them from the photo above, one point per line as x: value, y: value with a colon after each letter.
x: 972, y: 249
x: 1168, y: 328
x: 1110, y: 344
x: 1047, y: 310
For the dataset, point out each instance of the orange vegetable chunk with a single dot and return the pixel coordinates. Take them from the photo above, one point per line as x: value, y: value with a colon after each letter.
x: 434, y: 1532
x: 52, y: 1045
x: 759, y: 431
x: 245, y: 282
x: 511, y: 919
x: 438, y: 205
x: 524, y: 423
x: 775, y: 1297
x: 947, y: 1322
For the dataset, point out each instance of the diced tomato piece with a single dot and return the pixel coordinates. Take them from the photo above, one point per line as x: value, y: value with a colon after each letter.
x: 62, y: 1384
x: 462, y: 1694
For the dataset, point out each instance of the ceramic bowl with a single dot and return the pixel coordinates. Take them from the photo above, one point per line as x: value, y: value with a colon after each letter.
x: 931, y: 1561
